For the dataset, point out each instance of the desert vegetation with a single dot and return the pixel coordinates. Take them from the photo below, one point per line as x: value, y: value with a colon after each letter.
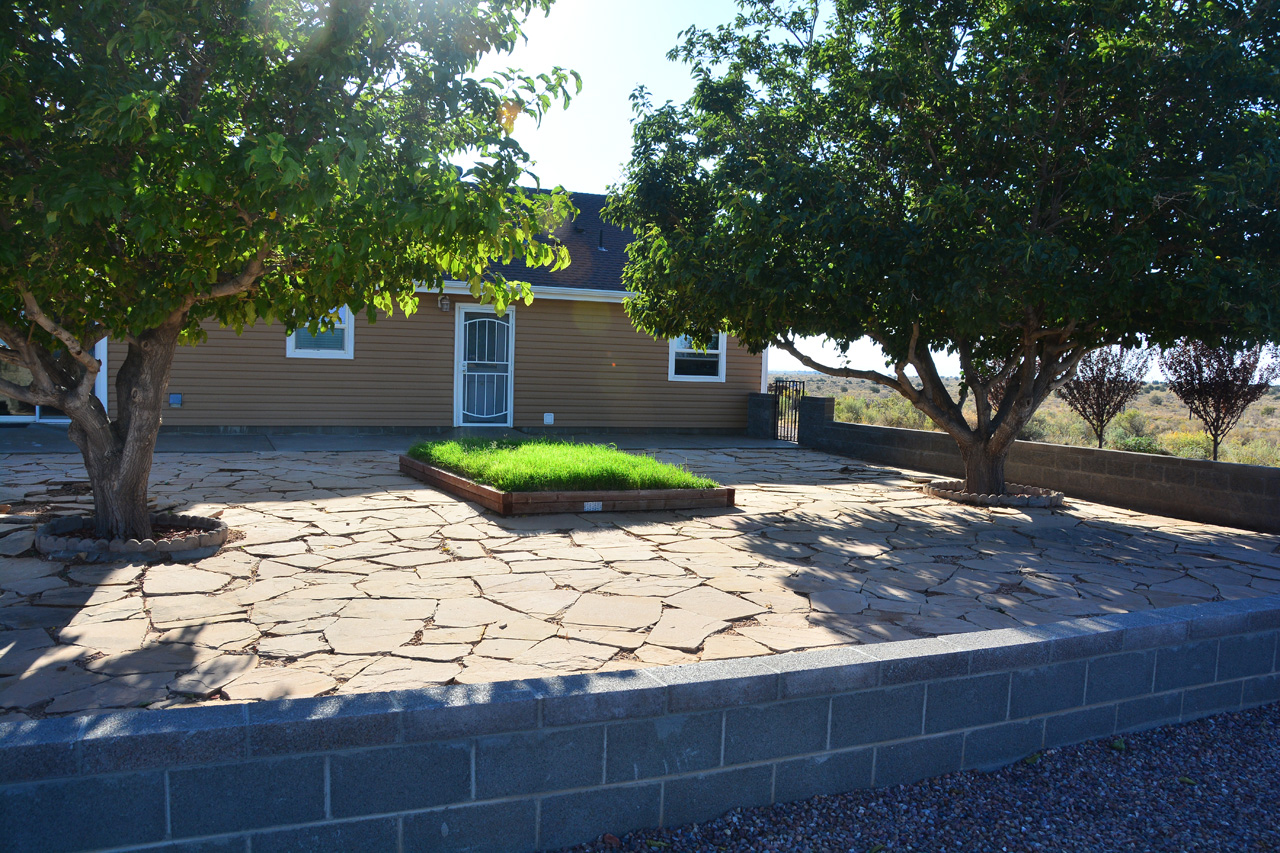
x: 1156, y: 421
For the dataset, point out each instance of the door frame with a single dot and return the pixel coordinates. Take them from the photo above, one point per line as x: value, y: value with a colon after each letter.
x: 459, y: 350
x: 99, y: 391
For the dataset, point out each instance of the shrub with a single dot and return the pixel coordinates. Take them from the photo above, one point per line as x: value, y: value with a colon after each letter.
x: 1036, y: 429
x: 1139, y: 444
x: 1268, y: 411
x: 1132, y: 422
x: 1188, y: 445
x: 1259, y: 451
x: 1157, y: 400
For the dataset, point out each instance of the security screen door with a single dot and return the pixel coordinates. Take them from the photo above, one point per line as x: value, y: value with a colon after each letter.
x: 483, y: 384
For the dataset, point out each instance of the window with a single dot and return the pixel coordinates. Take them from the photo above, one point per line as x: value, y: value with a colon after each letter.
x: 338, y: 342
x: 688, y: 363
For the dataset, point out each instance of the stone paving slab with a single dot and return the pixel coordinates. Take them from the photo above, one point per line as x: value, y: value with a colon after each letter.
x: 345, y: 576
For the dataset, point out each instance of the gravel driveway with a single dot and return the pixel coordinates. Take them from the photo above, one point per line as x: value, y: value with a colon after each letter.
x: 1210, y: 785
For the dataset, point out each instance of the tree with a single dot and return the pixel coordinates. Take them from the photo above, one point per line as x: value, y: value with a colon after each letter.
x: 1106, y: 380
x: 1014, y: 183
x: 168, y: 162
x: 1218, y: 383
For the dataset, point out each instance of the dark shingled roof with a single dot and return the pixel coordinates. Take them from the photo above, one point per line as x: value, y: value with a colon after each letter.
x: 597, y: 251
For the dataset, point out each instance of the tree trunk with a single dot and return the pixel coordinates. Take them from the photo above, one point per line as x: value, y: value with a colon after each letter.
x: 984, y: 468
x: 118, y: 454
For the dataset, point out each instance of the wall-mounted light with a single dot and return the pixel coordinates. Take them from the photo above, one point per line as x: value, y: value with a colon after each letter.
x: 445, y: 304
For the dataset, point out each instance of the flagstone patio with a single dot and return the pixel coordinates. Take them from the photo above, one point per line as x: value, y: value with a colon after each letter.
x: 353, y: 578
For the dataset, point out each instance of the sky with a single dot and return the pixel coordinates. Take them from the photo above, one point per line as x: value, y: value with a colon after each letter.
x: 615, y: 47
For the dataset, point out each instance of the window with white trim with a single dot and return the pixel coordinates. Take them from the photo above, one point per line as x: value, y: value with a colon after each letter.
x: 337, y: 342
x: 687, y: 363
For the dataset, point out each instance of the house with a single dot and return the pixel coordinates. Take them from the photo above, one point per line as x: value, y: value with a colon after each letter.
x: 570, y: 360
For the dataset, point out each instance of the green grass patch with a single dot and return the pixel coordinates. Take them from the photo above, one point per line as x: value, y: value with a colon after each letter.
x: 542, y: 465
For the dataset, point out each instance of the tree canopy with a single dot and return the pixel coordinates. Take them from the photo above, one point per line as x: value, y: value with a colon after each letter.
x: 169, y: 161
x: 1015, y: 183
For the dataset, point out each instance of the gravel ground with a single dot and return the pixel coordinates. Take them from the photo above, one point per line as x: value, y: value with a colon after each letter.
x: 1211, y: 785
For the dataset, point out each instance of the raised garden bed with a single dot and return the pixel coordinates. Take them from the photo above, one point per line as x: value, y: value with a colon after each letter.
x: 565, y: 496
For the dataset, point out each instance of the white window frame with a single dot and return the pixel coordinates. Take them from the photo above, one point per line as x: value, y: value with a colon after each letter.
x: 723, y: 347
x: 348, y: 350
x: 99, y: 391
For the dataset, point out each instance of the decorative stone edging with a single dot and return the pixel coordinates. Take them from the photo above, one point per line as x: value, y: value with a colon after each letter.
x: 1015, y: 495
x: 52, y: 540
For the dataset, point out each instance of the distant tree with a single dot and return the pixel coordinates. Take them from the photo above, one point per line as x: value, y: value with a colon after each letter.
x: 1106, y: 381
x: 1218, y: 383
x: 1014, y: 183
x: 167, y: 162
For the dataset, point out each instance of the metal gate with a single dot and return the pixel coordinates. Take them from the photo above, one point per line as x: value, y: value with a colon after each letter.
x: 786, y: 408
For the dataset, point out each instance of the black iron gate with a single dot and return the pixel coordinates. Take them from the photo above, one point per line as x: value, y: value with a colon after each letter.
x: 786, y: 408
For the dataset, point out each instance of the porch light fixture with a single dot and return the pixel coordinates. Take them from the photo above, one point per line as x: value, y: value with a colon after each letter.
x: 444, y: 303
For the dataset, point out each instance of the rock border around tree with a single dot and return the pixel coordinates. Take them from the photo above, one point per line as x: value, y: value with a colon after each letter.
x: 1015, y: 495
x: 534, y: 503
x: 53, y: 540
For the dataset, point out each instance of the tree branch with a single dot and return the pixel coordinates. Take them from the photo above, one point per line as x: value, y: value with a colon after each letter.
x: 72, y: 343
x: 786, y: 344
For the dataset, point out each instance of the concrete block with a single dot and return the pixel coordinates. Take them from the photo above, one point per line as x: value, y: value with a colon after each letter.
x: 1201, y: 701
x: 911, y: 761
x: 38, y: 749
x: 829, y: 773
x: 774, y: 731
x: 717, y: 684
x: 380, y: 835
x: 693, y: 799
x: 82, y: 814
x: 1148, y: 629
x: 1000, y: 650
x: 1267, y: 615
x: 961, y: 703
x: 1080, y: 638
x: 468, y: 710
x: 1252, y: 654
x: 246, y: 795
x: 662, y: 746
x: 291, y: 726
x: 1219, y: 619
x: 227, y: 844
x: 1148, y: 712
x: 871, y: 716
x: 995, y: 746
x: 592, y: 698
x: 399, y: 778
x: 917, y: 660
x: 1260, y: 691
x: 1046, y: 689
x: 1079, y: 726
x: 544, y: 760
x: 509, y: 827
x: 1182, y: 666
x: 584, y: 816
x: 825, y: 671
x: 1120, y: 676
x: 141, y: 740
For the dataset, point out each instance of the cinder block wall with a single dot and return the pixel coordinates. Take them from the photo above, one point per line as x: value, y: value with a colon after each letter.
x: 1245, y: 496
x: 548, y: 763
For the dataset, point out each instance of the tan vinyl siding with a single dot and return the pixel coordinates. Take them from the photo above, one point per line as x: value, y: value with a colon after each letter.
x: 586, y: 363
x: 581, y: 360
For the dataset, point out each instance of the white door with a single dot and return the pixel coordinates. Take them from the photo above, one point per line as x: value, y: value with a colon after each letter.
x: 483, y: 349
